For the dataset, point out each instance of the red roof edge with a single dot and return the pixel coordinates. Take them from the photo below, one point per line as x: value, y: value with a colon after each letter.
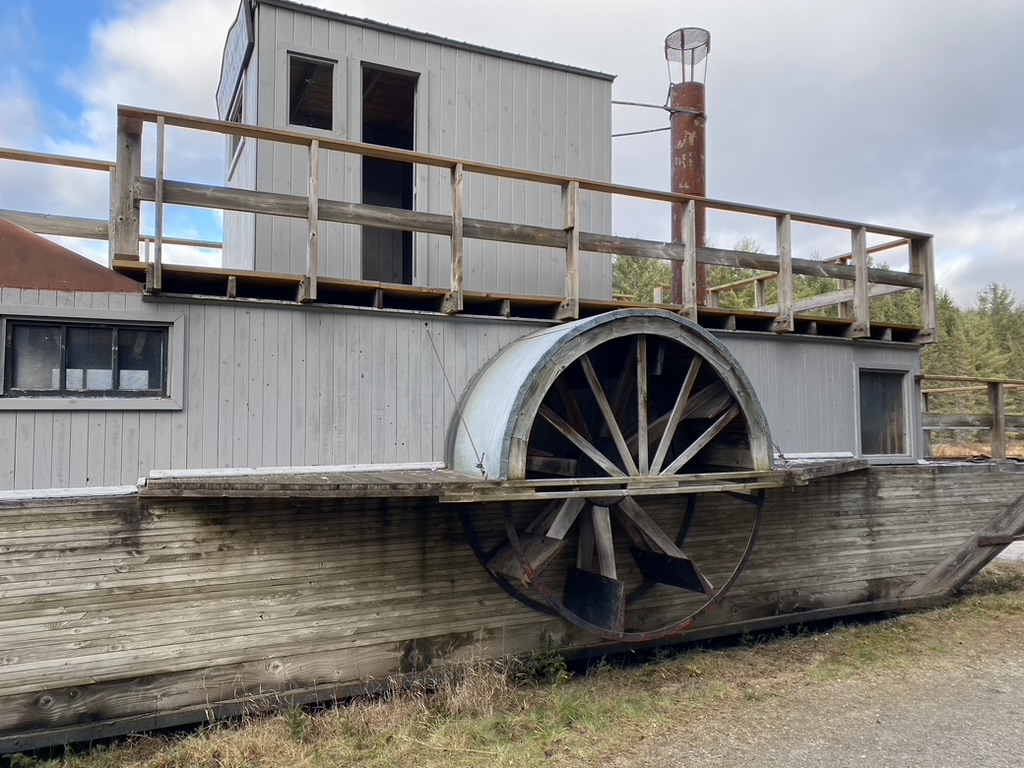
x: 28, y: 260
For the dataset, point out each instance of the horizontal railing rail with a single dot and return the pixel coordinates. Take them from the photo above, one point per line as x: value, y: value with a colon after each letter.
x: 997, y: 419
x: 858, y: 281
x: 81, y: 227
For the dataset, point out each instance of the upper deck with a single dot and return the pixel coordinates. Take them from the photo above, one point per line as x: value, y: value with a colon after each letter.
x: 848, y: 284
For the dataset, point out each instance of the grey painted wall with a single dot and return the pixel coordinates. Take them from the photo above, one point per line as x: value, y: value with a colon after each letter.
x: 808, y: 387
x: 265, y: 384
x: 470, y: 104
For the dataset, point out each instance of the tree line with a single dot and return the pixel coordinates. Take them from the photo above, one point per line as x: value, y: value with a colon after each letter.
x: 984, y: 339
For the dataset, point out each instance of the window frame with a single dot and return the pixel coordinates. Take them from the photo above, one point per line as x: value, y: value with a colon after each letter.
x: 909, y: 439
x: 292, y: 52
x: 41, y: 400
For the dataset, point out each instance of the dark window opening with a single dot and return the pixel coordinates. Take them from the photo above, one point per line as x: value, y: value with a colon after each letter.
x: 389, y: 101
x: 310, y: 92
x: 83, y: 360
x: 883, y: 413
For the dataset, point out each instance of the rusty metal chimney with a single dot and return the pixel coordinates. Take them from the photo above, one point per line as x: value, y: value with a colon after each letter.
x: 686, y: 51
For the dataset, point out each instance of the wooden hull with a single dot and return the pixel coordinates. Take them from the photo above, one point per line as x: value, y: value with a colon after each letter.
x: 120, y: 614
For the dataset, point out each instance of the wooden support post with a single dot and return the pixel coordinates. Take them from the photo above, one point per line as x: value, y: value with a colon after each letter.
x: 759, y: 297
x: 124, y: 206
x: 784, y: 246
x: 997, y: 404
x: 570, y: 309
x: 922, y: 262
x: 689, y: 281
x: 926, y: 433
x: 307, y: 291
x: 861, y: 296
x: 155, y: 281
x: 453, y: 301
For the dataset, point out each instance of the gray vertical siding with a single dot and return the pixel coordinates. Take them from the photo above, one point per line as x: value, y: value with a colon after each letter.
x: 470, y: 105
x: 264, y: 385
x: 808, y: 386
x: 273, y: 385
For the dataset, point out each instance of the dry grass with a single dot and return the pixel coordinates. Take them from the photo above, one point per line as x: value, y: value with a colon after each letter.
x: 971, y: 450
x: 481, y: 713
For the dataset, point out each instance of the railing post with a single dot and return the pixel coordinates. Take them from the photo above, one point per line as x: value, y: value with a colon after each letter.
x: 689, y: 276
x: 759, y: 295
x: 926, y: 434
x: 784, y: 247
x: 307, y: 291
x: 570, y: 309
x: 997, y: 404
x: 861, y: 288
x: 922, y: 262
x: 155, y: 274
x: 124, y: 207
x: 453, y: 302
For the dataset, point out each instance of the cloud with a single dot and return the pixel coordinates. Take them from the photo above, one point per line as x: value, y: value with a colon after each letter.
x: 905, y: 114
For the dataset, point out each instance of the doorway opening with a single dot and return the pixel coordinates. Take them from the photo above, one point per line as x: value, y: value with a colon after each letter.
x: 389, y: 102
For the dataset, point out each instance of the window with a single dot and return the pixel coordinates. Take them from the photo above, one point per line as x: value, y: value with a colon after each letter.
x: 234, y: 142
x: 310, y: 92
x: 85, y: 360
x: 883, y: 413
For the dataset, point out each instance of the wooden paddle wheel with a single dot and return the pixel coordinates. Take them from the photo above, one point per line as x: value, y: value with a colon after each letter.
x: 631, y: 423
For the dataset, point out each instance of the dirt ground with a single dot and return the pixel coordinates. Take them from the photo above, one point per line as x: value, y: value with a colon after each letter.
x: 961, y: 709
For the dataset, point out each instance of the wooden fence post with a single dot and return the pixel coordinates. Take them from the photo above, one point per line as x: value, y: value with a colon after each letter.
x: 861, y: 295
x: 124, y: 206
x: 689, y: 308
x: 997, y: 404
x: 453, y: 302
x: 570, y: 309
x: 307, y: 291
x: 922, y: 262
x: 784, y: 247
x: 155, y: 275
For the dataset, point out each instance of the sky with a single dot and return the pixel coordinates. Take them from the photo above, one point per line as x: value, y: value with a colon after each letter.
x: 907, y: 113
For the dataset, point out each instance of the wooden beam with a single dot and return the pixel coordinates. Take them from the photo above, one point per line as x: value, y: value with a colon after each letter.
x: 689, y: 308
x: 839, y: 297
x: 678, y: 408
x: 453, y: 302
x: 922, y: 262
x: 124, y: 205
x: 604, y: 541
x: 157, y: 281
x: 861, y: 297
x: 709, y: 434
x: 580, y: 442
x: 969, y: 558
x: 784, y: 245
x: 309, y: 283
x: 655, y: 537
x: 570, y: 224
x: 997, y: 404
x: 643, y: 440
x: 608, y: 414
x: 66, y: 226
x: 768, y: 263
x: 64, y: 161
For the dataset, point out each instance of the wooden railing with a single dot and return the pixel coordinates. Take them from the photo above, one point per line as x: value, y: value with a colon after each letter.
x: 858, y: 281
x: 79, y: 226
x: 940, y: 415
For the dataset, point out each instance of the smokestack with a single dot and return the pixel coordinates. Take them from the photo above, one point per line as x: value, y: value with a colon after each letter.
x: 686, y: 51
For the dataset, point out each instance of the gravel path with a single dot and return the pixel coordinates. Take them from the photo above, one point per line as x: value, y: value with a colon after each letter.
x: 973, y: 716
x: 966, y: 709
